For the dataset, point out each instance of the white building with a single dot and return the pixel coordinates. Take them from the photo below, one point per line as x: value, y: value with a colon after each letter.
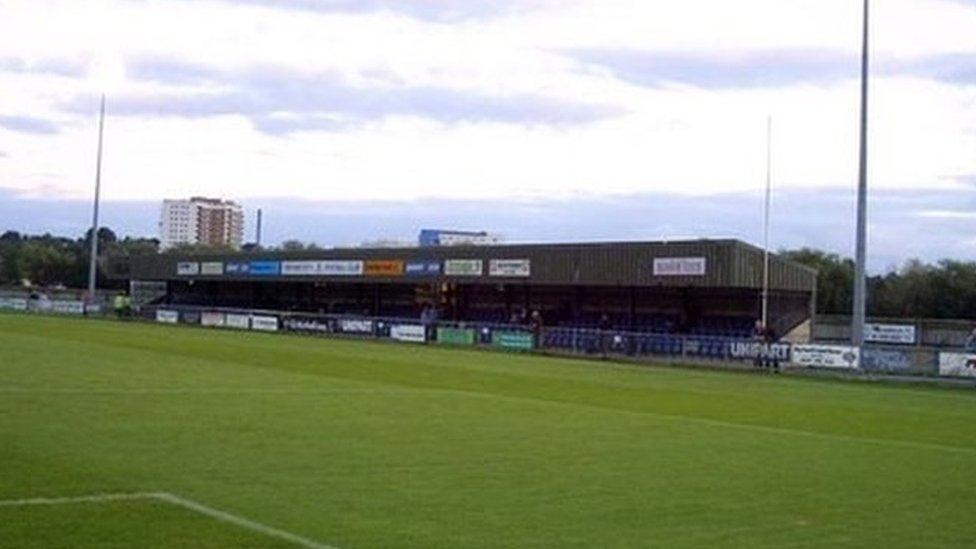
x: 208, y: 221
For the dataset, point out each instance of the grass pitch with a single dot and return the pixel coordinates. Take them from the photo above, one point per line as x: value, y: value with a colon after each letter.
x: 359, y: 444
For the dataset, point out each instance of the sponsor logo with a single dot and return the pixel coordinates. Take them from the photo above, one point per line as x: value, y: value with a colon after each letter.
x: 464, y: 267
x: 826, y: 356
x: 238, y: 268
x: 167, y: 317
x: 383, y: 268
x: 265, y: 268
x: 264, y: 323
x: 239, y: 322
x: 679, y: 266
x: 307, y: 325
x: 212, y: 268
x: 187, y: 268
x: 422, y: 268
x: 212, y: 319
x: 68, y: 307
x: 755, y: 349
x: 408, y: 332
x: 321, y: 268
x: 353, y: 326
x: 510, y: 267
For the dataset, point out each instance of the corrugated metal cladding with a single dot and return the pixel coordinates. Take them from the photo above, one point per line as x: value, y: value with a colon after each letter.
x: 728, y: 264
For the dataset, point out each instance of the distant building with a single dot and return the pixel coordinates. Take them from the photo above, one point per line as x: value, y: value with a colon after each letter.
x: 207, y: 221
x: 388, y: 243
x: 437, y: 237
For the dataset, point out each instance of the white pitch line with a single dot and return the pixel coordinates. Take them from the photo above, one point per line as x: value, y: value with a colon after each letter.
x: 178, y: 501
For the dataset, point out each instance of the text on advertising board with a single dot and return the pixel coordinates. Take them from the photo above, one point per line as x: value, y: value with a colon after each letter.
x: 890, y: 333
x: 826, y: 356
x: 322, y: 268
x: 167, y: 317
x: 187, y: 268
x: 755, y: 349
x: 212, y: 268
x: 264, y: 323
x: 383, y: 268
x: 464, y: 267
x: 957, y: 365
x: 510, y: 267
x: 679, y: 266
x: 238, y: 268
x: 422, y: 268
x: 240, y: 322
x: 409, y: 332
x: 265, y: 268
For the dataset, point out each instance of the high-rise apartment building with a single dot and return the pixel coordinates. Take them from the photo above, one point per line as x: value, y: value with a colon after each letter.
x: 208, y: 221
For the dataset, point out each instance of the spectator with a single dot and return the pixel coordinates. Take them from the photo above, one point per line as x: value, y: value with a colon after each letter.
x: 535, y: 323
x: 971, y: 342
x: 604, y: 327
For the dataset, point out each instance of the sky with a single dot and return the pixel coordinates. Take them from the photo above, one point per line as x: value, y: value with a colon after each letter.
x: 542, y: 120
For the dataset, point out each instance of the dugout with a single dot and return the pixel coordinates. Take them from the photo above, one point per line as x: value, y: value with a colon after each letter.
x: 711, y: 287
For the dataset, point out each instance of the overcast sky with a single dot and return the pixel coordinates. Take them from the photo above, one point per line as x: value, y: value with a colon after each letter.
x: 389, y: 109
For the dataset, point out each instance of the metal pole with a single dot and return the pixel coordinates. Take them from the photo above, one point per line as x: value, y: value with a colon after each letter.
x: 769, y: 194
x: 860, y: 281
x: 93, y: 263
x: 257, y: 236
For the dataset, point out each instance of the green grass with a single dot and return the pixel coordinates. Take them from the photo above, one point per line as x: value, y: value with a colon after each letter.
x: 360, y: 444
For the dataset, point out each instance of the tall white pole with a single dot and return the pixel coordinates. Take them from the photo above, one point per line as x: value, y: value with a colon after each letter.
x: 860, y: 280
x: 766, y: 208
x: 93, y: 262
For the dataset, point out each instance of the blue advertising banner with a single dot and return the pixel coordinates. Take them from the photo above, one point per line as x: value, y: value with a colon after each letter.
x: 265, y: 268
x: 422, y: 268
x: 237, y: 268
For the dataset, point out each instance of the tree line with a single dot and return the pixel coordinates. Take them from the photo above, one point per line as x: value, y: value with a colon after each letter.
x: 945, y: 289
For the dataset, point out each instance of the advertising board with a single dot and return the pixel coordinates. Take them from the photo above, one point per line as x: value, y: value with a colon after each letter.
x: 383, y: 268
x: 237, y: 268
x: 264, y: 268
x: 510, y: 267
x: 13, y: 303
x: 68, y: 307
x: 752, y: 350
x: 212, y: 268
x: 409, y: 332
x: 187, y: 268
x: 679, y: 266
x: 512, y: 340
x: 885, y: 360
x: 957, y: 365
x: 826, y: 356
x: 455, y: 336
x: 238, y: 322
x: 355, y: 326
x: 211, y: 318
x: 903, y: 334
x: 264, y: 323
x: 307, y: 324
x: 167, y: 317
x: 464, y: 267
x: 422, y: 268
x: 321, y: 268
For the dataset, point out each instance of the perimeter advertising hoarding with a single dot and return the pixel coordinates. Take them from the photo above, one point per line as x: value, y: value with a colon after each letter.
x: 510, y: 267
x: 409, y: 332
x: 238, y: 322
x: 903, y: 334
x: 464, y: 267
x: 264, y: 323
x: 885, y: 360
x: 512, y: 340
x: 211, y: 318
x: 236, y: 268
x: 167, y: 317
x: 957, y: 365
x: 422, y: 268
x: 212, y: 268
x: 265, y: 268
x: 383, y: 268
x: 679, y: 266
x: 355, y: 326
x: 310, y: 325
x: 187, y: 268
x: 826, y: 356
x: 321, y: 268
x: 455, y: 336
x: 13, y: 303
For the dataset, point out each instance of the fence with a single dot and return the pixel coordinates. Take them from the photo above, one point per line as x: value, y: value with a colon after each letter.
x: 723, y: 351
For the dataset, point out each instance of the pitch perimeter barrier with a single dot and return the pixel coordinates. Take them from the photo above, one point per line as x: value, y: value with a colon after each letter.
x: 887, y: 360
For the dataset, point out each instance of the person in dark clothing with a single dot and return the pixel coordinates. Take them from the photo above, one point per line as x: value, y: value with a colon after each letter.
x: 535, y: 324
x: 604, y: 327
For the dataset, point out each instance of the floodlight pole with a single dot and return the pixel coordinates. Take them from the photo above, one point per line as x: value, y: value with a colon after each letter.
x: 860, y: 280
x: 766, y: 207
x: 93, y: 262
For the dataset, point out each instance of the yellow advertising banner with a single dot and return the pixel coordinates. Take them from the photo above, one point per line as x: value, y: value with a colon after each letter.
x: 383, y: 268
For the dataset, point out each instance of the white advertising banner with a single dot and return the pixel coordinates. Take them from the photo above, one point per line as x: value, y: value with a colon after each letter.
x: 167, y: 317
x: 187, y: 268
x: 68, y: 307
x: 211, y: 318
x: 464, y: 267
x: 903, y: 334
x: 510, y: 267
x: 679, y: 266
x: 212, y: 268
x: 264, y: 323
x: 322, y: 268
x: 13, y: 303
x: 240, y: 322
x: 957, y: 365
x: 350, y: 326
x: 408, y: 332
x: 826, y: 356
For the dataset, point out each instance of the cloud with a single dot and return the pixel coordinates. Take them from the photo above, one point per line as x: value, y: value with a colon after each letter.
x: 53, y: 66
x: 952, y: 69
x: 28, y: 124
x: 722, y: 71
x: 429, y: 10
x: 279, y: 101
